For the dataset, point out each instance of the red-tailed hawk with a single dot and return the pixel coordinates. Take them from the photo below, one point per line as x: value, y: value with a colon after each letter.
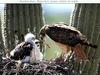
x: 68, y: 38
x: 27, y: 51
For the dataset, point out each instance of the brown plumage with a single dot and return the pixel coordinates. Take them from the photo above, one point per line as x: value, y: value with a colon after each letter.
x: 68, y: 38
x: 79, y: 51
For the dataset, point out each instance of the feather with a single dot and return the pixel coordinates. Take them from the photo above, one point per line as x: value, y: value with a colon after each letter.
x: 79, y: 52
x: 65, y: 48
x: 68, y: 38
x: 65, y: 35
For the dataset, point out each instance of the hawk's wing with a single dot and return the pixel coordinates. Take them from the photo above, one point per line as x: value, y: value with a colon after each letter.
x: 67, y: 37
x: 63, y: 35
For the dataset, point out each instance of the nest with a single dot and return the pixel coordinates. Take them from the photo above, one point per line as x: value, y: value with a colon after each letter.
x: 52, y: 67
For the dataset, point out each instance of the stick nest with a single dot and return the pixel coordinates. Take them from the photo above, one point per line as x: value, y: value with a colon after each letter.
x: 52, y: 67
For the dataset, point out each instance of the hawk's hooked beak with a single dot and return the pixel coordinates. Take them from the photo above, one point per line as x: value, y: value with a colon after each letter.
x: 42, y: 35
x: 42, y: 32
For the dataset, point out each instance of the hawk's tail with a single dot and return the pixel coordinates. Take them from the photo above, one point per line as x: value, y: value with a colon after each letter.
x: 90, y: 44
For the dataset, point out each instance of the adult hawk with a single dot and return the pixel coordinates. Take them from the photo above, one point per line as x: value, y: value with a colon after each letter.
x: 68, y: 38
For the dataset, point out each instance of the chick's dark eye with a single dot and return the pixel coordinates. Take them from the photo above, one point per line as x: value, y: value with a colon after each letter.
x: 36, y: 42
